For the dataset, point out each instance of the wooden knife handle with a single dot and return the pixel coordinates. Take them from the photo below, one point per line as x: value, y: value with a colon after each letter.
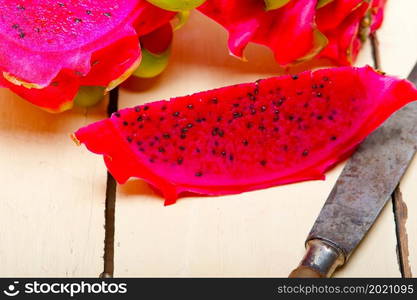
x: 305, y: 272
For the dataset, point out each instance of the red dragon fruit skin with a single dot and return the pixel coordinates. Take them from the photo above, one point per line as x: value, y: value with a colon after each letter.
x: 248, y: 136
x: 344, y: 41
x: 289, y: 31
x: 51, y: 48
x: 377, y: 10
x: 331, y: 15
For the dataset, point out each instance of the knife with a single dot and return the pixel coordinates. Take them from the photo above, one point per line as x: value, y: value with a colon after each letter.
x: 361, y: 191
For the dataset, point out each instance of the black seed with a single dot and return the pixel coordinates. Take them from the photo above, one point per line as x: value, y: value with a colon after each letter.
x: 333, y: 138
x: 140, y: 119
x: 305, y: 153
x: 221, y: 133
x: 319, y: 95
x: 290, y: 117
x: 276, y: 129
x: 88, y: 12
x: 223, y: 153
x: 183, y: 136
x: 236, y: 104
x: 263, y: 162
x: 275, y: 119
x: 163, y: 107
x: 325, y: 78
x: 214, y: 131
x: 330, y: 118
x: 198, y: 174
x: 107, y: 14
x: 129, y: 139
x: 281, y: 101
x: 21, y: 7
x: 237, y: 115
x: 251, y: 97
x: 161, y: 149
x: 253, y: 111
x: 319, y: 117
x: 261, y: 127
x: 139, y: 143
x: 176, y: 114
x: 117, y: 114
x: 137, y: 109
x: 15, y: 26
x: 184, y: 130
x: 295, y: 77
x: 180, y: 160
x: 161, y: 118
x: 231, y: 157
x: 214, y: 101
x: 256, y: 90
x: 151, y: 144
x: 299, y: 120
x: 190, y: 125
x: 22, y: 34
x: 299, y: 93
x: 249, y: 125
x: 216, y: 143
x: 190, y: 106
x: 140, y: 126
x: 156, y: 138
x: 61, y: 4
x: 197, y: 150
x: 152, y: 160
x: 314, y: 86
x: 276, y: 111
x: 245, y: 142
x: 219, y: 118
x: 77, y: 20
x: 182, y: 148
x: 146, y: 108
x: 125, y: 123
x: 306, y: 105
x: 263, y: 108
x: 166, y: 135
x: 321, y: 86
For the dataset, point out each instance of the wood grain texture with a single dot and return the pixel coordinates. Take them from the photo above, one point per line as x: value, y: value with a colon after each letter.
x: 51, y: 193
x: 257, y: 233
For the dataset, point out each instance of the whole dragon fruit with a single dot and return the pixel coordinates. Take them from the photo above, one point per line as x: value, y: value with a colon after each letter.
x: 52, y: 50
x: 297, y: 30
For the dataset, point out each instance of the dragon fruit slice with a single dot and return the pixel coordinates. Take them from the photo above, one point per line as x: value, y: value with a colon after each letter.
x: 247, y: 136
x: 289, y: 31
x: 51, y: 48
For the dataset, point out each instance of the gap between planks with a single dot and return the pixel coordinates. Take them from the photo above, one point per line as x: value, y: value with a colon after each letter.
x: 109, y: 213
x: 399, y: 207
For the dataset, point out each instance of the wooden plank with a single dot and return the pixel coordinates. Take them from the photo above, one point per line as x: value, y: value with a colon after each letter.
x: 52, y: 193
x: 398, y: 45
x: 259, y: 233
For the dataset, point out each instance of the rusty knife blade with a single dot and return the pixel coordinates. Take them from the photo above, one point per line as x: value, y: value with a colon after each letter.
x: 368, y: 180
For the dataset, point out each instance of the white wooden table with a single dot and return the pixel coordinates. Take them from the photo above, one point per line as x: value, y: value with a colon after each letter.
x: 52, y: 195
